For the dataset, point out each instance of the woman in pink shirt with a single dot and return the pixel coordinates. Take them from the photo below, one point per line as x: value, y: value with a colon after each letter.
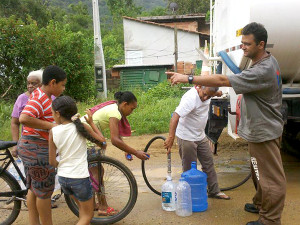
x: 34, y: 80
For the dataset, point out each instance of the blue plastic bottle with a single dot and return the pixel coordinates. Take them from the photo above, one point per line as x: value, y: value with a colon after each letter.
x: 198, y: 182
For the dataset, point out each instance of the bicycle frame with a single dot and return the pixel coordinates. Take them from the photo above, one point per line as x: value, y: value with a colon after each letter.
x: 95, y: 184
x: 4, y: 166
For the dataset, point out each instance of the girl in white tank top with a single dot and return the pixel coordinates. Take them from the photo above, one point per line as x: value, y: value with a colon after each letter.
x: 69, y: 140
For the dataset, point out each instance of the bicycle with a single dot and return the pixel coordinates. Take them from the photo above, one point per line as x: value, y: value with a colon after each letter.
x: 117, y: 184
x: 120, y: 187
x: 228, y: 178
x: 11, y: 194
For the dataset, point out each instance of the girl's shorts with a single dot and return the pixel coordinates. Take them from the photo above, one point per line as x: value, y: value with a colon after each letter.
x: 81, y: 188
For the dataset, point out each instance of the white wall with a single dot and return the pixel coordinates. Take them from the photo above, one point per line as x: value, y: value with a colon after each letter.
x: 156, y: 44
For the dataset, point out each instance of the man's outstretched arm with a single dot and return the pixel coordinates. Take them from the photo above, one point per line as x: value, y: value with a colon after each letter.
x: 216, y: 80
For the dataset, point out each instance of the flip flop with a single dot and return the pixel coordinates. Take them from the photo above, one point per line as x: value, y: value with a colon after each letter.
x: 53, y: 205
x: 108, y: 212
x: 220, y: 195
x: 111, y: 211
x: 96, y: 207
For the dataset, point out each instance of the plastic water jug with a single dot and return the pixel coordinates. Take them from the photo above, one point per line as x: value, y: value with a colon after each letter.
x: 168, y: 195
x: 183, y: 198
x: 198, y: 182
x: 14, y: 172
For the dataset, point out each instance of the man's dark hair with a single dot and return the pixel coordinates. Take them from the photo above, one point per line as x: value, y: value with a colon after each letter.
x: 53, y: 72
x: 258, y: 30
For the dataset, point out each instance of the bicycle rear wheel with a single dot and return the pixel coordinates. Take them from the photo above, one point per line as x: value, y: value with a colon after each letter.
x: 155, y: 169
x: 120, y: 189
x: 233, y: 170
x: 9, y: 211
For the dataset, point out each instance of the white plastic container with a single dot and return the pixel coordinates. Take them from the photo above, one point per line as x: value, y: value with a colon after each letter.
x: 183, y: 198
x: 168, y: 195
x: 14, y: 172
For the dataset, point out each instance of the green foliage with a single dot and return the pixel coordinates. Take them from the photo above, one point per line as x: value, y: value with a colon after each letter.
x: 153, y: 117
x: 207, y: 16
x: 5, y: 113
x: 79, y: 19
x: 119, y: 8
x: 164, y: 90
x: 149, y: 5
x: 37, y: 9
x: 191, y: 6
x: 154, y: 109
x: 157, y: 11
x: 26, y: 47
x: 113, y: 50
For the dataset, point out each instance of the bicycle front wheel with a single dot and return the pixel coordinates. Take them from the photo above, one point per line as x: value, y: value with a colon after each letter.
x: 120, y: 189
x: 155, y: 169
x: 9, y: 209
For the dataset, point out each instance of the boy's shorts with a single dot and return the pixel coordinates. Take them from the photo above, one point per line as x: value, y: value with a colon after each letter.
x: 40, y: 175
x: 81, y: 188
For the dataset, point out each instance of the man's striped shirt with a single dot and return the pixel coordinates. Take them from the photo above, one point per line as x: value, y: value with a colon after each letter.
x: 38, y: 106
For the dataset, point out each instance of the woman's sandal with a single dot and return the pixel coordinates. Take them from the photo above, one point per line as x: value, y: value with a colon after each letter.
x: 108, y: 212
x: 96, y: 207
x: 220, y: 195
x: 53, y: 205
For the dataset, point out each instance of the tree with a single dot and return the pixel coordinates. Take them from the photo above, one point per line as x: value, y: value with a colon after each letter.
x: 119, y: 8
x: 113, y: 50
x: 10, y: 7
x: 37, y: 9
x: 26, y: 47
x: 191, y: 6
x: 79, y: 18
x: 157, y: 11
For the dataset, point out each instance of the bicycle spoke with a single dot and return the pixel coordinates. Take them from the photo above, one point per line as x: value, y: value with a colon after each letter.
x: 118, y: 189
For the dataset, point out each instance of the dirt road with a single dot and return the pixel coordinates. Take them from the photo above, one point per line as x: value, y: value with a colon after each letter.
x: 148, y: 209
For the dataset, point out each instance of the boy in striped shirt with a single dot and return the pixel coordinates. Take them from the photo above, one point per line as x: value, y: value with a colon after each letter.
x: 33, y: 146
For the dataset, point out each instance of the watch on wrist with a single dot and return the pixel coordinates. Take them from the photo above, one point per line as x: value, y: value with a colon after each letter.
x: 190, y: 79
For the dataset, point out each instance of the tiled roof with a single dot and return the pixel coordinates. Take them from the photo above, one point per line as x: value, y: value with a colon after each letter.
x: 163, y: 25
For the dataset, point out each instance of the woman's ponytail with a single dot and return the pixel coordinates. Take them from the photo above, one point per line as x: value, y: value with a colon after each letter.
x: 125, y: 96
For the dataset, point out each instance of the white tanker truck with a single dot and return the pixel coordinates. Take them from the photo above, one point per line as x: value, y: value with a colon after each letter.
x: 282, y: 21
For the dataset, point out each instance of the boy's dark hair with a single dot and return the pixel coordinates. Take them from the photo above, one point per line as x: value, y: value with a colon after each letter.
x: 67, y: 108
x: 53, y: 72
x: 258, y: 30
x: 125, y: 96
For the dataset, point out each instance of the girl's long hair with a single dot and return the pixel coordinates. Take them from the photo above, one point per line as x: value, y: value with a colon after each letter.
x: 67, y: 108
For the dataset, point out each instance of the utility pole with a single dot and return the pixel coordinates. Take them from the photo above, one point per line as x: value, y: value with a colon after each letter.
x: 175, y: 48
x: 173, y: 6
x: 99, y: 62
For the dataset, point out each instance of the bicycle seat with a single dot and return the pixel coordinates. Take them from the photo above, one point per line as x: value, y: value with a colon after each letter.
x: 7, y: 144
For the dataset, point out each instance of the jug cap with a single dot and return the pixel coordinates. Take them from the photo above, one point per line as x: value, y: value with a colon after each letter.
x: 194, y: 164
